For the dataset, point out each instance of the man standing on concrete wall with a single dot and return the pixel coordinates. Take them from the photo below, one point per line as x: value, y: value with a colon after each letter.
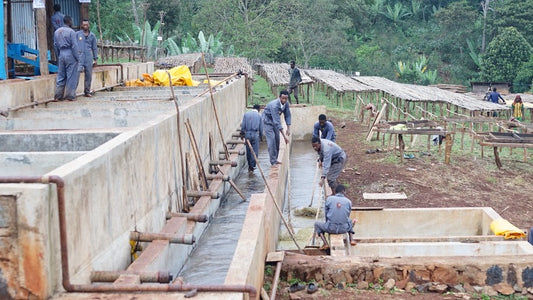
x: 272, y: 124
x: 332, y: 160
x: 252, y: 130
x: 89, y: 54
x: 324, y: 129
x: 66, y: 49
x: 295, y: 79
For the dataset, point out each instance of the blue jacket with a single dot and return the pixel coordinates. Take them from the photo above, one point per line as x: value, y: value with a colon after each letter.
x: 328, y: 132
x: 252, y: 123
x: 87, y: 47
x: 272, y: 112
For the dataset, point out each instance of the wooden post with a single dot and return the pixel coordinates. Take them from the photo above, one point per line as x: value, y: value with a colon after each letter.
x: 448, y: 148
x: 40, y: 15
x: 497, y: 158
x: 401, y: 145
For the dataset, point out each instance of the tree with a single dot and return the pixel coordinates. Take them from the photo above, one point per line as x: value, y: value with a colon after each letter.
x: 504, y: 56
x: 255, y: 28
x: 314, y: 31
x: 516, y: 13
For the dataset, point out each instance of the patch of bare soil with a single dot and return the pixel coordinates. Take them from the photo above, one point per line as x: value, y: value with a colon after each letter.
x: 468, y: 181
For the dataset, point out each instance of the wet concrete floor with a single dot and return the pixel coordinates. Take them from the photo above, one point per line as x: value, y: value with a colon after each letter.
x: 300, y: 191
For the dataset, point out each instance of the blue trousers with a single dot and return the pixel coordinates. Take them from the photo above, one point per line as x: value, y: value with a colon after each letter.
x: 88, y: 70
x: 253, y: 137
x: 272, y: 137
x: 67, y: 77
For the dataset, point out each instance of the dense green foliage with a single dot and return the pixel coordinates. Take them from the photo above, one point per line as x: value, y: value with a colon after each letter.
x: 367, y: 36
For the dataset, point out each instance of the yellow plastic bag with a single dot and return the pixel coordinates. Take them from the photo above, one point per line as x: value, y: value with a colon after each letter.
x: 181, y: 75
x: 508, y: 230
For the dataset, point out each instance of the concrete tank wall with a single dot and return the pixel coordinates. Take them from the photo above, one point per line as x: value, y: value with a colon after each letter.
x: 125, y: 184
x: 19, y: 92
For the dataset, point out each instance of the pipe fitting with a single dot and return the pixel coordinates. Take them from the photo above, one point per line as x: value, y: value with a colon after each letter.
x: 189, y: 216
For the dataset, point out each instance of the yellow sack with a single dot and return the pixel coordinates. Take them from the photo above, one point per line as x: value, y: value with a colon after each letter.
x: 181, y: 75
x: 508, y: 230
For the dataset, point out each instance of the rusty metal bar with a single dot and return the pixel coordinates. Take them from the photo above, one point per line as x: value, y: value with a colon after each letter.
x: 188, y: 239
x: 235, y: 142
x: 215, y: 108
x: 198, y: 194
x: 189, y: 216
x: 108, y: 288
x: 182, y: 161
x: 217, y: 176
x: 233, y: 151
x: 223, y: 162
x: 145, y: 276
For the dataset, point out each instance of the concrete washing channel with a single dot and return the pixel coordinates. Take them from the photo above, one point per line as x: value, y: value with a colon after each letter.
x: 93, y: 188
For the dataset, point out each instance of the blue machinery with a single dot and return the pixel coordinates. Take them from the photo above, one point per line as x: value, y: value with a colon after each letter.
x: 17, y: 51
x: 3, y: 74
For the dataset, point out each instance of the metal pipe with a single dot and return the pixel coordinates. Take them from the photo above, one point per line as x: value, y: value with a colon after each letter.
x: 233, y: 151
x: 217, y: 176
x: 145, y: 276
x: 223, y: 162
x: 103, y: 288
x: 235, y: 142
x: 188, y: 239
x: 157, y: 287
x: 189, y: 216
x: 198, y: 194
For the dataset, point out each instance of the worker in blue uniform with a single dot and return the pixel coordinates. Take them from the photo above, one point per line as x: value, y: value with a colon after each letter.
x: 89, y: 54
x: 66, y: 49
x: 272, y: 124
x: 57, y: 17
x: 332, y: 159
x: 324, y: 129
x: 252, y: 130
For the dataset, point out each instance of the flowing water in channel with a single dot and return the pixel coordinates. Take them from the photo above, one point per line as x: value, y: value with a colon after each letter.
x: 209, y: 261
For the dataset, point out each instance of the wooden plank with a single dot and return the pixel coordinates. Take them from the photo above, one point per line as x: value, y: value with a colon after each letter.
x: 384, y: 196
x: 275, y: 256
x: 376, y: 121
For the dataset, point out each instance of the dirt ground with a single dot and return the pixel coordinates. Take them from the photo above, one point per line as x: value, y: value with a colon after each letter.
x: 468, y: 181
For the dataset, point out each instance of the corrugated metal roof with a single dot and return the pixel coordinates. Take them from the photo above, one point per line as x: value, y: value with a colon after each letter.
x: 70, y: 8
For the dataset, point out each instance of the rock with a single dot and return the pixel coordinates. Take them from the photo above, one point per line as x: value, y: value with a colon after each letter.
x: 530, y: 290
x: 438, y: 288
x: 517, y: 288
x: 402, y: 283
x: 477, y: 289
x: 423, y: 288
x: 504, y: 289
x: 409, y: 286
x: 445, y: 274
x: 457, y: 289
x: 362, y: 285
x: 389, y: 284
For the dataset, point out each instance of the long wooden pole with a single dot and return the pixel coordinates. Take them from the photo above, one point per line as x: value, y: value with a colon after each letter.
x: 226, y: 153
x: 185, y: 204
x: 197, y: 156
x: 273, y: 198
